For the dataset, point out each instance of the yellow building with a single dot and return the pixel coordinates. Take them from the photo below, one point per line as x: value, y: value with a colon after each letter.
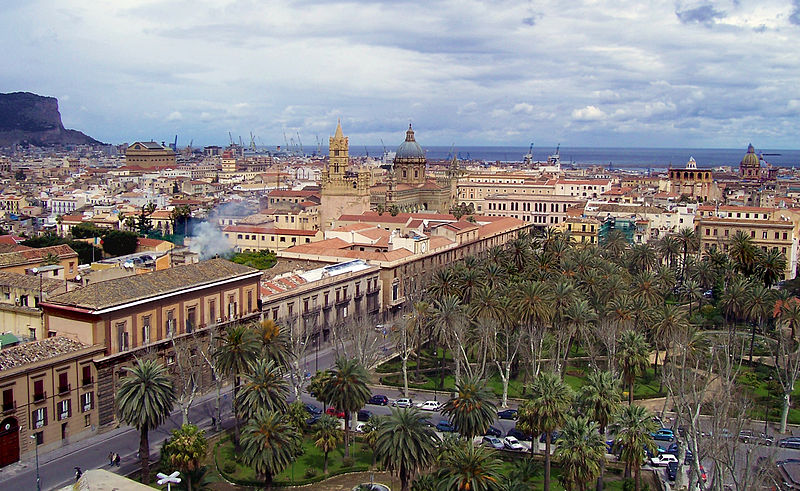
x: 582, y: 230
x: 150, y: 154
x: 694, y: 182
x: 249, y: 238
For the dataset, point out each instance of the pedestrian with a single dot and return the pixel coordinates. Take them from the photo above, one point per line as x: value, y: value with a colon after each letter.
x: 78, y: 473
x: 110, y: 459
x: 213, y: 422
x: 116, y: 459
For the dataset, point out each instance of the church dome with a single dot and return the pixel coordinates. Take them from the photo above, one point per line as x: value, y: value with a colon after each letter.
x: 750, y: 158
x: 410, y: 150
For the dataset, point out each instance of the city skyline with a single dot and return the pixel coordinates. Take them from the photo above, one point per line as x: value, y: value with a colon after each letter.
x: 677, y: 74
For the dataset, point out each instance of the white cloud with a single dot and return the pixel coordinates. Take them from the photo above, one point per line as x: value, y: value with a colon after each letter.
x: 522, y: 108
x: 175, y: 116
x: 588, y: 113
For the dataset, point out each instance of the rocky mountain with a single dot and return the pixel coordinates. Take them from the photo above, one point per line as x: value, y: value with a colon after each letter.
x: 32, y: 119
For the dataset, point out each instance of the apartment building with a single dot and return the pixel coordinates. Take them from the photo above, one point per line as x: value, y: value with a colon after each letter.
x: 150, y: 154
x: 25, y: 259
x: 20, y: 313
x: 766, y: 234
x: 476, y: 187
x: 582, y: 230
x: 248, y: 238
x: 538, y: 210
x: 49, y: 395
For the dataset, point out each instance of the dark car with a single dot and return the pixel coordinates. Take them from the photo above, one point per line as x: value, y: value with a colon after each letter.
x: 445, y: 427
x: 673, y: 449
x: 553, y: 437
x: 507, y: 414
x: 792, y: 442
x: 519, y: 435
x: 313, y: 410
x: 379, y: 400
x: 672, y: 471
x: 363, y: 415
x: 313, y: 420
x: 429, y: 422
x: 492, y: 431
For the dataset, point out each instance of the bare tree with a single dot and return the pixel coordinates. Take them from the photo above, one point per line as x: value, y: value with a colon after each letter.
x: 184, y: 368
x: 356, y: 337
x: 299, y: 341
x: 504, y: 350
x: 786, y: 357
x: 206, y: 351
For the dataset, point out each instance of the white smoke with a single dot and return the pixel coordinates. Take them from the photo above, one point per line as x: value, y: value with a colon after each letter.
x: 208, y: 241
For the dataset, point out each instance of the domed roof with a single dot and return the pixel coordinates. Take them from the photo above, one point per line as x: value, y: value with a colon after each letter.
x: 409, y: 149
x: 750, y: 158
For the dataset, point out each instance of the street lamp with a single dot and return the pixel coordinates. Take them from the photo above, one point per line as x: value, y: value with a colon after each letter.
x: 168, y: 479
x: 37, y: 273
x: 36, y: 446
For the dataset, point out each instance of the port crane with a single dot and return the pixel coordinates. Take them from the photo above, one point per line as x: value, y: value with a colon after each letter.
x: 299, y: 143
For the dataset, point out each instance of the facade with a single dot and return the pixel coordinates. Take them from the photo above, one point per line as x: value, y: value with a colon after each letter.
x: 48, y: 390
x: 23, y: 261
x: 582, y: 230
x: 20, y: 313
x: 693, y: 182
x: 249, y: 238
x: 537, y: 209
x: 343, y: 189
x: 766, y: 234
x: 150, y: 154
x: 750, y: 167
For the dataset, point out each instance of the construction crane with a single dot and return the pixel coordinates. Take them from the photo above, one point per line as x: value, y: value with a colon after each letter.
x: 252, y: 142
x: 300, y: 143
x: 319, y: 146
x: 366, y: 151
x: 174, y: 145
x: 529, y: 156
x: 286, y: 141
x: 230, y: 137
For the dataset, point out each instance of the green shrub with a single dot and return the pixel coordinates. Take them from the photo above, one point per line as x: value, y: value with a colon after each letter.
x: 229, y: 467
x: 310, y: 472
x: 348, y: 462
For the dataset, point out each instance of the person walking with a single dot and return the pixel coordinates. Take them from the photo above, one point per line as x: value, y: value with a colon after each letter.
x: 116, y: 459
x: 110, y: 459
x: 78, y: 473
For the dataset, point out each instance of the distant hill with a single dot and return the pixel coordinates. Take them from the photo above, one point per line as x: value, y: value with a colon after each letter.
x: 35, y: 120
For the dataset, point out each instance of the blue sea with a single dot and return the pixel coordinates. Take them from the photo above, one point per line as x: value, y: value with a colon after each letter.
x: 630, y: 158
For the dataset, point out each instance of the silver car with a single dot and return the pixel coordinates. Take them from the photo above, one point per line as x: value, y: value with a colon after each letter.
x: 403, y: 402
x: 493, y: 442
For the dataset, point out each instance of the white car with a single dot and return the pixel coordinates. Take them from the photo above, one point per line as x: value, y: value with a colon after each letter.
x: 403, y: 403
x: 663, y: 460
x: 513, y: 444
x: 429, y: 405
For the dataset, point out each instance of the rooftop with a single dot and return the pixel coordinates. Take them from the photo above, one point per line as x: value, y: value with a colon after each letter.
x: 29, y: 256
x: 37, y: 351
x: 29, y: 282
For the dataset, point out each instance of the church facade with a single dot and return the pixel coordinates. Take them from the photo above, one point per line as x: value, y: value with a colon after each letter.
x: 343, y: 190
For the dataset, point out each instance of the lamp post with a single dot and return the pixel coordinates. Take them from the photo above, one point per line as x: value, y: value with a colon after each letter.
x: 38, y: 273
x: 316, y: 353
x: 36, y: 447
x: 168, y: 479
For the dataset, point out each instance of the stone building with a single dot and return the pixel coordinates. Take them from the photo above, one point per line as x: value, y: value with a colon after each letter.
x: 693, y: 182
x: 750, y: 167
x: 150, y: 154
x: 343, y: 189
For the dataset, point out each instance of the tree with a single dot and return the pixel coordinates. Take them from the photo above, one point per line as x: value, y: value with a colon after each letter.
x: 327, y: 436
x: 544, y: 412
x: 405, y: 444
x: 472, y: 410
x: 470, y: 468
x: 581, y: 451
x: 743, y: 252
x: 180, y: 217
x: 264, y: 389
x: 759, y: 303
x: 144, y: 400
x: 85, y: 230
x: 534, y: 310
x: 450, y: 321
x: 370, y: 433
x: 274, y: 342
x: 632, y: 428
x: 185, y: 450
x: 633, y: 358
x: 771, y: 266
x: 346, y: 389
x: 269, y: 444
x: 687, y: 238
x: 119, y: 242
x: 143, y: 222
x: 238, y: 351
x: 601, y: 398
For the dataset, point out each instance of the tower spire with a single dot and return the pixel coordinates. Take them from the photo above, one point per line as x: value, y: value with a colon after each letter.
x: 338, y: 133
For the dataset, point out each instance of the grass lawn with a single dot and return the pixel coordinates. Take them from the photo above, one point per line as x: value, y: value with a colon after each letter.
x: 612, y: 481
x: 759, y: 382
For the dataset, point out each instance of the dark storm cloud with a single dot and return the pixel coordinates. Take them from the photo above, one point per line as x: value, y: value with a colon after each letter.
x: 794, y: 18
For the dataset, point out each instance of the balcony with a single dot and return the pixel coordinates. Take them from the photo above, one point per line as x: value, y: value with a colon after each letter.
x: 87, y: 381
x: 312, y: 311
x: 327, y: 306
x: 64, y: 389
x: 9, y: 407
x: 40, y: 397
x: 343, y: 299
x: 359, y: 293
x: 372, y: 291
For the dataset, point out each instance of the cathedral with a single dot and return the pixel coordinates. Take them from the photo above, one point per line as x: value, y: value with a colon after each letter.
x: 343, y: 190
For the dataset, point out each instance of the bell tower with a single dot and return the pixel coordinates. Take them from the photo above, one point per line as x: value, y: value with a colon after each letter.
x: 344, y: 191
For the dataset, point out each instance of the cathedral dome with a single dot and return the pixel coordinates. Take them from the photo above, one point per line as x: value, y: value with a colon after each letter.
x: 750, y: 158
x: 410, y: 150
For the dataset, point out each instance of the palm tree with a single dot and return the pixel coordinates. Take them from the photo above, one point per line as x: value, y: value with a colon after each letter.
x: 632, y: 427
x: 269, y: 444
x: 346, y: 389
x: 668, y: 248
x: 771, y: 266
x: 687, y: 238
x: 264, y: 388
x: 420, y: 320
x: 239, y: 349
x: 601, y: 398
x: 581, y: 451
x: 327, y: 436
x: 449, y: 318
x: 579, y: 316
x: 472, y: 410
x: 670, y: 320
x: 759, y: 303
x: 405, y: 444
x: 468, y: 280
x: 443, y: 283
x: 789, y: 315
x: 185, y: 450
x: 534, y: 306
x: 370, y: 433
x: 470, y: 468
x: 614, y: 244
x: 633, y: 357
x: 742, y: 252
x: 641, y: 257
x: 144, y: 400
x: 274, y: 341
x: 544, y: 412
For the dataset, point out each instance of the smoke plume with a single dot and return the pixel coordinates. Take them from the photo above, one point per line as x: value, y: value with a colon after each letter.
x: 208, y: 241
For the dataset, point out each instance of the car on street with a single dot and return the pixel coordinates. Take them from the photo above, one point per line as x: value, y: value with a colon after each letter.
x: 663, y: 460
x: 672, y: 471
x: 492, y: 442
x: 403, y: 402
x: 360, y: 427
x: 363, y: 415
x: 664, y: 435
x: 378, y: 400
x: 792, y: 442
x: 493, y: 431
x: 429, y: 405
x: 445, y: 427
x: 507, y: 414
x: 313, y: 420
x: 332, y: 411
x: 519, y: 435
x: 553, y: 437
x: 513, y: 444
x: 312, y: 409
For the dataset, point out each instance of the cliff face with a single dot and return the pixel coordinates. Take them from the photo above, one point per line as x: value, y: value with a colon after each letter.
x: 35, y: 120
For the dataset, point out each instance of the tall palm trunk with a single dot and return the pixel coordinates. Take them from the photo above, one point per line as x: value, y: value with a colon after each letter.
x: 599, y: 485
x: 347, y: 433
x: 637, y: 479
x: 630, y: 392
x: 325, y: 462
x: 144, y: 455
x: 268, y: 480
x: 546, y: 459
x: 235, y: 411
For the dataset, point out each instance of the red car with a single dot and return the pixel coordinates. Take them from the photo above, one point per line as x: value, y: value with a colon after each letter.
x: 332, y: 411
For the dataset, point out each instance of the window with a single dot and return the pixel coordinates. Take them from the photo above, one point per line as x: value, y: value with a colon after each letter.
x: 39, y: 417
x: 395, y: 291
x: 86, y: 372
x: 8, y: 400
x: 122, y: 336
x: 212, y: 311
x: 249, y: 301
x: 784, y: 236
x: 63, y: 382
x: 64, y: 409
x: 764, y: 235
x: 87, y: 420
x: 170, y: 323
x: 87, y: 401
x: 38, y: 390
x: 191, y: 318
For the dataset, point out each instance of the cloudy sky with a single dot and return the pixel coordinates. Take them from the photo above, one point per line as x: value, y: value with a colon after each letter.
x: 623, y: 73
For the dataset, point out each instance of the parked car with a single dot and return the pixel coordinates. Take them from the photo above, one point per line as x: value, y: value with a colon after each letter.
x: 792, y: 442
x: 313, y: 420
x: 360, y: 427
x: 445, y: 427
x: 513, y: 444
x: 312, y: 409
x: 664, y: 434
x: 363, y: 415
x: 429, y: 405
x: 553, y: 437
x: 519, y: 435
x: 663, y: 460
x: 492, y: 442
x: 379, y: 400
x: 507, y: 414
x: 672, y: 471
x: 493, y: 431
x: 332, y: 411
x: 403, y: 402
